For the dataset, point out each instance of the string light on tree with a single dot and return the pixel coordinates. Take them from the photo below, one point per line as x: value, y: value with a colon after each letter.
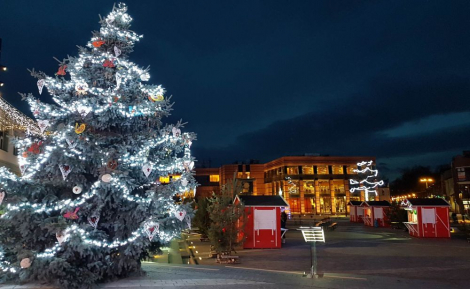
x: 369, y: 183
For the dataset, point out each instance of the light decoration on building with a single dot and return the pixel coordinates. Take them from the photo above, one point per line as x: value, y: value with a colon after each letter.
x: 13, y: 119
x: 75, y: 100
x: 370, y: 183
x: 293, y: 189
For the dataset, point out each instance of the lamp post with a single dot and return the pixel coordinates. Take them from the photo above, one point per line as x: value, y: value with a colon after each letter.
x: 2, y: 67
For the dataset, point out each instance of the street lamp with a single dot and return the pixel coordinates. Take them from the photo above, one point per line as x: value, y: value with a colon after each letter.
x: 426, y: 180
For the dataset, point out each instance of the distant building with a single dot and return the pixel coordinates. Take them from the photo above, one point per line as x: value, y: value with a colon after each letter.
x: 456, y: 183
x: 311, y: 184
x: 13, y: 123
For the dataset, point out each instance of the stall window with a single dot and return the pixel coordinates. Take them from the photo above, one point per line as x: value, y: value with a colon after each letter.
x: 309, y: 187
x: 214, y: 178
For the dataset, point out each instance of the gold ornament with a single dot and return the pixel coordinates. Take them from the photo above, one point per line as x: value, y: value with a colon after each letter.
x: 79, y: 129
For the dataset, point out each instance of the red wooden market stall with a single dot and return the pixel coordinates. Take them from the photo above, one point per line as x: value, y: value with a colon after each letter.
x: 355, y: 212
x: 263, y: 221
x: 427, y: 218
x: 375, y: 213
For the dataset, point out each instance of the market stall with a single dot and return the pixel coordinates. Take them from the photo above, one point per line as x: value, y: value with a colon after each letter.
x: 375, y: 213
x: 263, y: 221
x: 355, y: 212
x: 427, y: 218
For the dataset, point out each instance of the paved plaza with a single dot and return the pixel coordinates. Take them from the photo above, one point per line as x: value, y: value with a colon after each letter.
x: 353, y: 256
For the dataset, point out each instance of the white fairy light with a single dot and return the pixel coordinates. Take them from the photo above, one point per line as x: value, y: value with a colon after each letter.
x: 369, y: 184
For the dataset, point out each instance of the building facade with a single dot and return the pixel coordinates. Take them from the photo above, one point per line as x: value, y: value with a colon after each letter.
x: 12, y: 124
x: 310, y: 184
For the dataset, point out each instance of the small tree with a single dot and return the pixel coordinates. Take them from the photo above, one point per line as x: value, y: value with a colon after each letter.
x: 202, y: 219
x: 227, y: 219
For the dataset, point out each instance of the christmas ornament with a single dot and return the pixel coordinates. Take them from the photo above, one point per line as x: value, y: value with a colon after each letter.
x: 188, y: 165
x: 84, y: 111
x: 117, y: 51
x: 145, y: 76
x: 25, y: 263
x: 41, y: 83
x: 93, y: 221
x: 147, y: 169
x: 23, y: 169
x: 108, y: 63
x: 81, y: 88
x: 98, y: 43
x: 62, y: 70
x: 77, y: 190
x: 72, y: 215
x: 106, y: 178
x: 24, y: 154
x: 184, y: 182
x: 65, y: 170
x: 156, y: 97
x: 43, y: 124
x: 2, y: 196
x: 72, y: 144
x: 188, y: 221
x: 151, y: 229
x: 80, y: 128
x: 60, y: 237
x: 112, y: 164
x: 180, y: 215
x: 176, y: 132
x: 34, y: 148
x: 133, y: 111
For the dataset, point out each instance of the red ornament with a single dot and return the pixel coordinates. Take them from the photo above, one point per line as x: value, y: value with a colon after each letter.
x: 108, y: 63
x: 34, y: 148
x: 98, y: 43
x: 72, y: 215
x: 62, y: 70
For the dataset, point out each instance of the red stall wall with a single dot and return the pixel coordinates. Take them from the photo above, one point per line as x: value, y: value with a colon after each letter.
x: 263, y: 238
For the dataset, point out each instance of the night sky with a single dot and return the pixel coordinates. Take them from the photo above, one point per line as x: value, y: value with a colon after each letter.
x: 265, y: 79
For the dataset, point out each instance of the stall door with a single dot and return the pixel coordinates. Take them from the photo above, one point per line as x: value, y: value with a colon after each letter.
x: 428, y: 218
x: 265, y: 229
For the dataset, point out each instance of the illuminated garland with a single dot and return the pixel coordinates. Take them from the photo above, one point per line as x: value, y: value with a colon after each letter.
x: 369, y: 184
x: 11, y: 118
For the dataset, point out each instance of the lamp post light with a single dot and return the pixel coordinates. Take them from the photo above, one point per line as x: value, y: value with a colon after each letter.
x: 426, y: 180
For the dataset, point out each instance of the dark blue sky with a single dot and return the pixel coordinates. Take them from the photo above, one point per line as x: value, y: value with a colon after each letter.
x: 264, y: 79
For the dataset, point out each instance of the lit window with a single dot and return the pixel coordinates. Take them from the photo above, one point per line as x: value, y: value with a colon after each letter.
x: 350, y: 170
x: 337, y: 170
x: 307, y: 170
x: 322, y: 170
x: 214, y: 178
x: 247, y: 175
x: 292, y: 170
x: 240, y: 175
x: 164, y: 180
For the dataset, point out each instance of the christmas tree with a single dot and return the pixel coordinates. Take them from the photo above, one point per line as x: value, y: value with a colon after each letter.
x: 369, y: 182
x: 98, y: 188
x: 227, y: 218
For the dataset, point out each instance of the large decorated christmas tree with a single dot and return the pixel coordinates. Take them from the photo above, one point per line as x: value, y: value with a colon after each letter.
x: 100, y: 187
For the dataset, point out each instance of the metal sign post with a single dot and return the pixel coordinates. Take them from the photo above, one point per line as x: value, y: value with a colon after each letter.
x: 313, y: 235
